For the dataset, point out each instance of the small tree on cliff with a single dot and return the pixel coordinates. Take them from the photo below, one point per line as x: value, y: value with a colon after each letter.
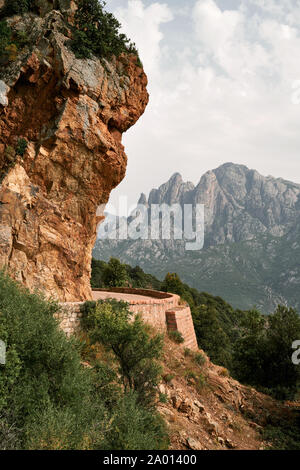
x: 98, y: 32
x: 172, y: 283
x: 135, y: 349
x: 115, y: 274
x: 5, y: 37
x: 18, y: 7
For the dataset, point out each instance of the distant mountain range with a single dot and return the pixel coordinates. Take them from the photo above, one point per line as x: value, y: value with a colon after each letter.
x: 251, y: 255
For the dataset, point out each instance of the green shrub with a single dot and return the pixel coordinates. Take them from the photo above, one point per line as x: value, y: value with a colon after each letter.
x: 168, y: 378
x: 201, y: 382
x: 43, y: 366
x: 56, y: 428
x: 11, y: 42
x: 21, y: 147
x: 283, y: 437
x: 199, y: 359
x: 85, y: 309
x: 10, y: 153
x: 53, y: 429
x: 173, y: 284
x: 135, y: 277
x: 135, y: 428
x: 195, y: 379
x: 262, y: 355
x: 223, y: 372
x: 176, y: 336
x: 98, y: 32
x: 211, y: 334
x: 115, y: 274
x: 5, y: 38
x: 49, y: 401
x: 43, y: 369
x: 21, y: 39
x: 163, y: 398
x: 136, y: 351
x: 9, y: 433
x: 107, y: 385
x: 18, y: 7
x: 190, y: 375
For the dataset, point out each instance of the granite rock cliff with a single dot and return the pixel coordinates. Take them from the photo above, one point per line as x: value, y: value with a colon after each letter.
x: 72, y: 113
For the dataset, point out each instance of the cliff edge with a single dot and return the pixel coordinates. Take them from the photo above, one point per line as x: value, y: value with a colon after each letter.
x: 61, y: 125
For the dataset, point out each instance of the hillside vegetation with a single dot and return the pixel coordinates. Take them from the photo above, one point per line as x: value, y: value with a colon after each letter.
x: 50, y: 401
x: 95, y: 31
x: 116, y: 384
x: 256, y: 348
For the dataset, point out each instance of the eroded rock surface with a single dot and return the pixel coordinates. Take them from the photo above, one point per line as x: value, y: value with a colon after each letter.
x: 72, y: 113
x: 212, y: 411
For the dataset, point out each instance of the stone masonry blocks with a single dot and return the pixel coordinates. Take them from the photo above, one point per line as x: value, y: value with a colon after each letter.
x: 159, y: 309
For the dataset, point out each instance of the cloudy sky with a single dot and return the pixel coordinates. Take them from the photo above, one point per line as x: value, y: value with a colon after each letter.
x: 224, y: 84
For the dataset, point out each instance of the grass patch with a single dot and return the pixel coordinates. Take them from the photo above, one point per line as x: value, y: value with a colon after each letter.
x: 223, y: 372
x: 163, y: 398
x: 199, y: 359
x: 168, y: 378
x: 176, y: 337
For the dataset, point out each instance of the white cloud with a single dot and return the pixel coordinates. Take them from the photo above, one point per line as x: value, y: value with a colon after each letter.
x: 142, y: 25
x: 216, y: 29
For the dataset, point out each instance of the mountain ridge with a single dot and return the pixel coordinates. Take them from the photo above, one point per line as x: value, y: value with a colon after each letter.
x: 251, y: 221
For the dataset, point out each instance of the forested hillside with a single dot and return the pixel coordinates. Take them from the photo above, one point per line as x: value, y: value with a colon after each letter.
x: 256, y: 348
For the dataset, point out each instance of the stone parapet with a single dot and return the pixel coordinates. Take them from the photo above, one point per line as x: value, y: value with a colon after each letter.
x: 159, y: 309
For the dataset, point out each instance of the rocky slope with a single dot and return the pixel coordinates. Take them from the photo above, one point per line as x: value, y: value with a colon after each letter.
x: 72, y: 113
x: 206, y: 409
x: 251, y: 253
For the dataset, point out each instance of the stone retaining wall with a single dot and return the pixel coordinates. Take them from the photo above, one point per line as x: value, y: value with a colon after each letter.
x: 162, y: 311
x: 180, y: 319
x: 69, y: 317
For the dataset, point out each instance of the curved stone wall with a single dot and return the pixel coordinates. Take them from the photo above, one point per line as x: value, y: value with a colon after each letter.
x: 160, y: 309
x: 155, y: 294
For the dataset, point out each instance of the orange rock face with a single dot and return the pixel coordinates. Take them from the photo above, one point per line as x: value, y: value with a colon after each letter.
x: 72, y: 112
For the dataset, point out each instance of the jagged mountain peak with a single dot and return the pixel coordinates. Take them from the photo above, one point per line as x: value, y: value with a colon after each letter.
x: 233, y: 171
x: 230, y: 165
x: 176, y: 177
x: 240, y: 203
x: 171, y: 192
x: 143, y: 199
x: 250, y: 220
